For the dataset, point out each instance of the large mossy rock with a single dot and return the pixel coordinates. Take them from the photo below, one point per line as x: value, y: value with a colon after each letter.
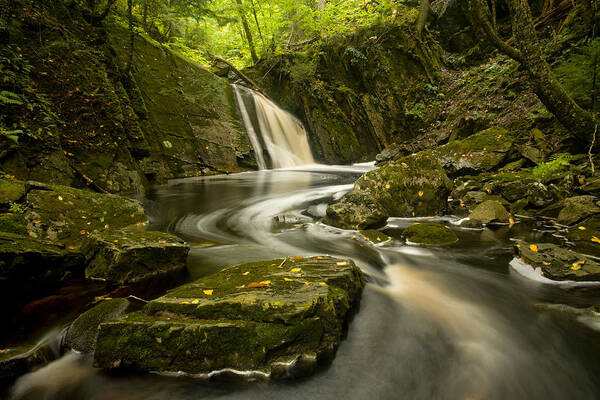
x: 18, y: 361
x: 429, y: 234
x: 82, y: 333
x: 481, y: 152
x: 414, y: 186
x: 269, y: 317
x: 578, y: 208
x: 557, y: 263
x: 65, y: 214
x: 28, y: 264
x: 133, y: 256
x: 10, y: 191
x: 490, y: 211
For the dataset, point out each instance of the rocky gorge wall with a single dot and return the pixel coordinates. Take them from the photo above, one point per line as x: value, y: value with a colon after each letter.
x: 73, y: 115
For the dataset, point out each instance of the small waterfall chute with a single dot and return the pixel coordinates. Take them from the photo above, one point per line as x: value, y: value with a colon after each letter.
x: 279, y: 139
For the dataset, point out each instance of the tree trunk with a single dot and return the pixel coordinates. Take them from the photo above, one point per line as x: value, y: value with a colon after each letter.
x: 257, y: 24
x: 131, y: 35
x: 246, y: 26
x: 424, y: 10
x: 545, y: 84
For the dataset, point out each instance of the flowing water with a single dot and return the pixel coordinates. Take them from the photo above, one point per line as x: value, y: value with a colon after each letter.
x: 279, y: 139
x: 450, y: 323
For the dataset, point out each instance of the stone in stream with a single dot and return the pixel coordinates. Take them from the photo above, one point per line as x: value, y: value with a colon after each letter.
x: 557, y: 263
x: 133, y: 256
x: 429, y: 234
x: 273, y: 318
x: 18, y: 361
x: 414, y: 186
x: 586, y: 236
x: 489, y: 211
x: 82, y: 333
x: 577, y: 208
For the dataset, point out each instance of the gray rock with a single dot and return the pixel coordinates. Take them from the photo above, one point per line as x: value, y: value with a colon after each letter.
x: 557, y: 263
x: 490, y: 211
x: 539, y: 195
x: 578, y: 208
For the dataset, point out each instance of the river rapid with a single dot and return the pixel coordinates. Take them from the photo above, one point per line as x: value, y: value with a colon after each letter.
x: 446, y: 323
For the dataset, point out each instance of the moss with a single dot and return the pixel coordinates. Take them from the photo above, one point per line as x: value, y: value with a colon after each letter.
x: 374, y: 236
x: 11, y: 191
x: 13, y: 223
x: 429, y: 234
x: 584, y: 235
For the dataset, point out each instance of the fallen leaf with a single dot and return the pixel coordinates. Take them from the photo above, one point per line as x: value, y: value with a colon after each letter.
x: 404, y: 165
x: 246, y: 273
x: 387, y: 186
x: 82, y: 232
x: 296, y: 269
x: 511, y: 222
x: 577, y: 265
x: 195, y: 301
x: 60, y: 198
x: 259, y: 284
x: 287, y: 279
x: 185, y: 302
x: 322, y: 284
x: 595, y: 239
x: 341, y: 263
x: 582, y: 228
x: 319, y: 257
x: 208, y: 292
x: 421, y: 193
x: 306, y: 283
x: 298, y: 258
x: 533, y: 248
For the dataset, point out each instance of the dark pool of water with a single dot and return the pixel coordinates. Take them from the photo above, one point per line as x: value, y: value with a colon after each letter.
x: 449, y: 323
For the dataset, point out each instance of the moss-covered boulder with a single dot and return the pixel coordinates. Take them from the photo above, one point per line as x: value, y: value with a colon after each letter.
x: 17, y: 361
x: 374, y: 236
x: 557, y: 263
x: 10, y: 191
x: 490, y: 211
x: 429, y: 234
x: 271, y: 317
x: 132, y: 256
x: 28, y: 264
x: 356, y: 210
x: 82, y: 333
x: 578, y: 208
x: 65, y: 214
x: 481, y: 152
x: 586, y: 236
x: 13, y: 223
x: 539, y: 195
x: 414, y: 186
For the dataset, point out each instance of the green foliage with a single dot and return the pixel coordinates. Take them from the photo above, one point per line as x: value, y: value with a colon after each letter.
x: 17, y: 208
x: 557, y: 163
x: 578, y: 71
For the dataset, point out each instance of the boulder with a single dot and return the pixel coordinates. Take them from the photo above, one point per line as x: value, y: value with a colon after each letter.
x: 65, y: 214
x: 82, y: 333
x: 28, y: 264
x: 270, y: 319
x: 578, y: 208
x: 374, y: 236
x: 557, y: 263
x: 481, y: 152
x: 18, y: 361
x: 490, y: 211
x: 133, y: 256
x: 539, y: 195
x: 414, y: 186
x: 429, y: 234
x: 356, y: 210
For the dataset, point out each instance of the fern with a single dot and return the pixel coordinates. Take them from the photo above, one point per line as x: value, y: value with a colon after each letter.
x: 557, y: 163
x: 10, y: 98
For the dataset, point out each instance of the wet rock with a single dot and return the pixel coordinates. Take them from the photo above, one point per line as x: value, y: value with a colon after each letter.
x: 481, y: 152
x: 374, y: 236
x: 393, y: 152
x: 519, y: 206
x: 490, y: 211
x: 133, y: 256
x: 267, y: 317
x: 28, y: 264
x: 514, y: 190
x: 577, y: 208
x: 356, y: 210
x: 429, y: 234
x: 81, y: 335
x: 414, y: 186
x: 13, y: 223
x: 18, y: 361
x: 539, y: 195
x: 586, y: 236
x: 10, y: 191
x: 64, y: 214
x: 557, y: 263
x: 474, y: 198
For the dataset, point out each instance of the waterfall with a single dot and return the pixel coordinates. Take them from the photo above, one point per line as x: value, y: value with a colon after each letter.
x: 279, y: 139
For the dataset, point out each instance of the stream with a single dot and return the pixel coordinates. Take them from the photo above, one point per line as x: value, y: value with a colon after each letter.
x: 445, y: 323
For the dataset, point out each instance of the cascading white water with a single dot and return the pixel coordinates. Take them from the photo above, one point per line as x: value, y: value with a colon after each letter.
x: 280, y: 134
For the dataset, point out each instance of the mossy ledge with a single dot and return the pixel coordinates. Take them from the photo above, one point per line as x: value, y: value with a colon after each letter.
x: 273, y: 319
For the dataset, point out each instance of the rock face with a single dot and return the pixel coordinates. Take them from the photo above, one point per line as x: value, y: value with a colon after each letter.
x: 275, y: 318
x: 129, y: 257
x: 557, y: 263
x: 414, y: 186
x: 429, y: 234
x: 577, y: 208
x: 81, y: 335
x: 490, y: 211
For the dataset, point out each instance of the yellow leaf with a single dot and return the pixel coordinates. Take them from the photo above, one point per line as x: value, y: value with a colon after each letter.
x: 533, y: 248
x: 319, y: 257
x: 322, y: 284
x: 404, y: 165
x: 258, y: 284
x: 60, y: 198
x: 341, y: 263
x: 287, y: 279
x: 595, y: 239
x: 298, y: 258
x: 582, y: 228
x: 511, y: 222
x: 185, y: 302
x: 306, y: 283
x: 420, y: 193
x: 208, y: 292
x: 519, y: 245
x: 82, y: 232
x: 581, y: 181
x: 195, y: 301
x: 577, y: 265
x: 265, y: 282
x: 296, y: 269
x: 246, y: 273
x: 387, y: 186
